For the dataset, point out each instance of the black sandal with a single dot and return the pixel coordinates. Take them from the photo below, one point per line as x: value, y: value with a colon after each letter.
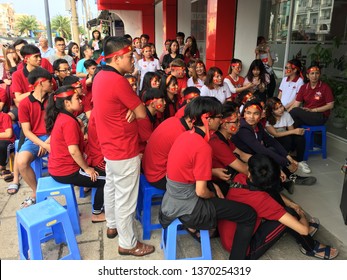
x: 8, y: 178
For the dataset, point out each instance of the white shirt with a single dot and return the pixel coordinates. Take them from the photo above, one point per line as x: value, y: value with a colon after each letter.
x: 199, y: 84
x: 282, y: 124
x: 222, y: 93
x: 147, y: 66
x: 290, y: 89
x: 230, y: 85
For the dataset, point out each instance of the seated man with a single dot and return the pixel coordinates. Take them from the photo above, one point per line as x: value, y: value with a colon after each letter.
x: 189, y: 169
x: 276, y: 214
x: 31, y: 114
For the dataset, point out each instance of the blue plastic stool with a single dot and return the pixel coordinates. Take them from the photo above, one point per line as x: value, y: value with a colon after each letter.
x: 48, y: 187
x: 311, y: 147
x: 169, y: 240
x: 144, y: 204
x: 83, y: 195
x: 45, y: 216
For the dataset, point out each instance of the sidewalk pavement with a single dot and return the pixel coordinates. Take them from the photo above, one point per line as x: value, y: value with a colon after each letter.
x: 94, y: 245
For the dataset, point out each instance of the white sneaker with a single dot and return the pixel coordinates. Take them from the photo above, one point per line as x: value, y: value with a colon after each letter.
x: 304, y: 167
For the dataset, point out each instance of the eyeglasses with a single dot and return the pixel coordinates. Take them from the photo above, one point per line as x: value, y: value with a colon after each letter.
x: 65, y: 70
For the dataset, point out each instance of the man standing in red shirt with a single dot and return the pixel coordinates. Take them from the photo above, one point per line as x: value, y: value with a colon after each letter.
x: 113, y: 97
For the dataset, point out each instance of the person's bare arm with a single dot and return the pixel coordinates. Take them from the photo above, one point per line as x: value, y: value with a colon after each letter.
x: 202, y: 190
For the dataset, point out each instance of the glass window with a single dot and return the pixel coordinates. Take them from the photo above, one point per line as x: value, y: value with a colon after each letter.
x: 318, y: 33
x: 198, y: 25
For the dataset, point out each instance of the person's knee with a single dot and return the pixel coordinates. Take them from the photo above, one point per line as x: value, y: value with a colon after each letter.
x: 23, y: 161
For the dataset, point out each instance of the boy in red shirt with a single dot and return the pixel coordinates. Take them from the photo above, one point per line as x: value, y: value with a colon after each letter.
x: 178, y: 69
x: 189, y: 196
x: 153, y: 98
x: 86, y: 82
x: 31, y: 114
x: 113, y: 97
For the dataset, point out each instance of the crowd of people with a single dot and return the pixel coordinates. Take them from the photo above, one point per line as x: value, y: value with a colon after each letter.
x: 219, y: 145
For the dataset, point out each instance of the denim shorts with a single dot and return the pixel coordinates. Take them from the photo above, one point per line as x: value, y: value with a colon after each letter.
x: 29, y: 146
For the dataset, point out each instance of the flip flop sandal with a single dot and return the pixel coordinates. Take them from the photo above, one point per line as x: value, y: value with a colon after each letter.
x: 8, y: 178
x: 14, y: 187
x: 195, y: 234
x: 28, y: 202
x: 315, y: 252
x: 314, y: 222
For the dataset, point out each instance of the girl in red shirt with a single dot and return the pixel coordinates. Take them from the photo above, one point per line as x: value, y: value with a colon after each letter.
x: 66, y: 163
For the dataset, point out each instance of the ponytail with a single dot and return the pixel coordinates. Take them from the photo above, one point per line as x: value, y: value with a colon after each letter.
x: 55, y: 106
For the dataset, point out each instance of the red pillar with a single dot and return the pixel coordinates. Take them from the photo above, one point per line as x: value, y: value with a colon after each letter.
x: 169, y: 19
x: 220, y: 33
x: 148, y: 23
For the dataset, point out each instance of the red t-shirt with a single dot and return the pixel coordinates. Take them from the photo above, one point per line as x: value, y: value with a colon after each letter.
x: 190, y: 159
x: 87, y: 97
x: 154, y: 160
x: 315, y: 97
x: 32, y: 111
x: 222, y: 154
x: 66, y: 132
x: 182, y: 84
x: 264, y: 205
x: 180, y: 113
x: 93, y: 150
x: 20, y: 81
x: 3, y: 96
x: 145, y: 130
x: 6, y: 123
x: 112, y: 98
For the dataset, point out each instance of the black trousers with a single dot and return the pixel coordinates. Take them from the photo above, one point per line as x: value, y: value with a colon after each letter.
x: 269, y: 232
x: 3, y: 151
x: 78, y: 179
x: 302, y: 117
x: 294, y: 143
x: 244, y: 216
x: 161, y: 184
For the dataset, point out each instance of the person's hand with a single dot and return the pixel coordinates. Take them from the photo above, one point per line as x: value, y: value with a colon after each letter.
x: 293, y: 167
x: 221, y: 173
x: 130, y: 116
x: 92, y: 173
x: 218, y: 191
x: 283, y: 176
x: 8, y: 82
x: 299, y: 131
x: 43, y: 149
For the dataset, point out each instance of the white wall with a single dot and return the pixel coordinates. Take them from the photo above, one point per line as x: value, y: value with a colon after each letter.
x: 159, y: 43
x: 132, y: 21
x: 246, y: 33
x: 184, y: 17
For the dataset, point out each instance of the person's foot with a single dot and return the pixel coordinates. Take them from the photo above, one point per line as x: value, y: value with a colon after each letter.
x: 303, y: 166
x: 139, y: 250
x: 28, y: 202
x: 321, y: 251
x: 111, y: 233
x: 98, y: 218
x: 308, y: 181
x: 13, y: 188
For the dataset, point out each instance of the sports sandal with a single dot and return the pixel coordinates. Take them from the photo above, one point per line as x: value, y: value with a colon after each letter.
x: 139, y: 250
x: 194, y: 233
x: 28, y: 202
x: 4, y: 172
x: 8, y: 178
x: 13, y: 188
x: 315, y: 252
x: 314, y: 223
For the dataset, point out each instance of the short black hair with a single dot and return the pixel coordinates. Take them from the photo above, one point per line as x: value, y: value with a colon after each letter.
x: 152, y: 93
x: 89, y: 62
x: 204, y: 104
x: 263, y: 171
x: 144, y: 36
x: 69, y: 80
x: 229, y: 108
x: 180, y: 34
x: 29, y: 49
x: 37, y: 73
x: 113, y: 44
x: 58, y: 39
x: 56, y: 63
x: 189, y: 90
